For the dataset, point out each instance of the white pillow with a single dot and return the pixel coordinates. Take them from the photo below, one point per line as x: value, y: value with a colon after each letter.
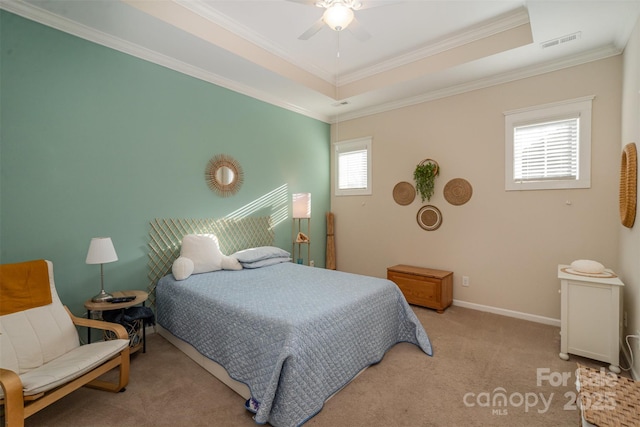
x: 587, y: 266
x: 203, y: 250
x: 182, y: 268
x: 230, y: 263
x: 260, y: 253
x: 265, y: 262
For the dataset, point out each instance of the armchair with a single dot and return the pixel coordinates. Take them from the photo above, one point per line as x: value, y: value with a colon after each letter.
x: 41, y: 359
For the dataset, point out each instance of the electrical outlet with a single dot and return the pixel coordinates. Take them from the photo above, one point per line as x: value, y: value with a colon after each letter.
x: 312, y: 263
x: 465, y: 280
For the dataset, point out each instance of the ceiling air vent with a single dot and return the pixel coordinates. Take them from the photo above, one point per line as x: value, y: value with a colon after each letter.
x: 561, y: 40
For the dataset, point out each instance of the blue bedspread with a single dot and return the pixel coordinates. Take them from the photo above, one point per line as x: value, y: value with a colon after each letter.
x: 294, y: 334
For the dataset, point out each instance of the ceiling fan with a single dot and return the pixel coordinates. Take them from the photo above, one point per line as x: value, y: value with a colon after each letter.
x: 338, y: 15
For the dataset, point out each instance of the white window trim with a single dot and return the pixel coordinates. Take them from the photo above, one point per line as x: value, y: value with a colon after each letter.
x: 549, y: 112
x: 352, y: 145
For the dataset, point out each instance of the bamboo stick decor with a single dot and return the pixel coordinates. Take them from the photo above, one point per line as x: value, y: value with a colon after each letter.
x: 628, y: 185
x: 331, y: 247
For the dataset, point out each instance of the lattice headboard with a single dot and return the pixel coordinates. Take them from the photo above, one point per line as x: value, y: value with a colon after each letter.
x: 165, y: 237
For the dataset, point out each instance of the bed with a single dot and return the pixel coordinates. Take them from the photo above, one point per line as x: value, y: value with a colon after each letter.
x: 289, y: 335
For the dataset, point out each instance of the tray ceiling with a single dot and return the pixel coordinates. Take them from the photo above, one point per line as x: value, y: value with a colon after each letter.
x: 418, y: 50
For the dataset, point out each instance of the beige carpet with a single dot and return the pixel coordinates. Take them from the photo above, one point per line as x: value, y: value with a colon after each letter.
x: 477, y: 356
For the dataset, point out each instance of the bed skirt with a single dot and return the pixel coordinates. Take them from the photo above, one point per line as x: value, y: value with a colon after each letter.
x: 216, y: 369
x: 212, y: 367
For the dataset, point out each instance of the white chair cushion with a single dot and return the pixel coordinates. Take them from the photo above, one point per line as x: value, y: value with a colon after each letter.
x: 42, y: 346
x: 31, y: 338
x: 70, y: 366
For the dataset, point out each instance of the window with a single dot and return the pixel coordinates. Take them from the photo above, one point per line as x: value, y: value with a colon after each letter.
x: 549, y: 146
x: 353, y: 167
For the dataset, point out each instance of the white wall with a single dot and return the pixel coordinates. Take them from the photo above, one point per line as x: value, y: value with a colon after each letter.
x: 508, y: 243
x: 629, y: 267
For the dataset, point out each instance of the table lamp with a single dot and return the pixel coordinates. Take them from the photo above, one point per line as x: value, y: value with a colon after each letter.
x: 101, y: 251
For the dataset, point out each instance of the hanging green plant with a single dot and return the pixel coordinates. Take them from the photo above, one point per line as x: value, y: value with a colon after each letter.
x: 425, y: 177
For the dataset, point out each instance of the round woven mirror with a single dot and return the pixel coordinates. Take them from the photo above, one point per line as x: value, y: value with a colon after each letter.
x: 224, y: 175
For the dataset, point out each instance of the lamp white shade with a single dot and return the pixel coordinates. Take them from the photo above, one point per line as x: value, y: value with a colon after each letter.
x: 302, y: 205
x: 338, y: 16
x: 101, y: 251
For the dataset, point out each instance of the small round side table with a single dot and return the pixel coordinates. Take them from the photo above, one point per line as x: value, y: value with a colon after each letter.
x: 141, y: 297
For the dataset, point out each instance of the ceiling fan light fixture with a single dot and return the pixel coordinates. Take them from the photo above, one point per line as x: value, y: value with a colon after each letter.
x: 338, y: 16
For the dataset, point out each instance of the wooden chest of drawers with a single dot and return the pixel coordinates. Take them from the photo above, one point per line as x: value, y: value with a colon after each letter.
x: 425, y: 287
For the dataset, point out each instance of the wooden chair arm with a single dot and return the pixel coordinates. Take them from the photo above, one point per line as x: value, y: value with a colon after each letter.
x: 13, y: 399
x: 117, y: 329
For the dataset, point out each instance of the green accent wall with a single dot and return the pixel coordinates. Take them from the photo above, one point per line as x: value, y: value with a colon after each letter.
x: 95, y: 142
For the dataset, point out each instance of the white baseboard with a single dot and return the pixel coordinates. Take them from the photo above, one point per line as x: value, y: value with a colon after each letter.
x: 508, y: 313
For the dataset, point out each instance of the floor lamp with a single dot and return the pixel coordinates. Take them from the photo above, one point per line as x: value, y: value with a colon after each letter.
x: 301, y: 210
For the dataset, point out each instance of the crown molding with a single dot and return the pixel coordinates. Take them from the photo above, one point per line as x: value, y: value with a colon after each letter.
x: 522, y: 73
x: 502, y: 23
x: 68, y: 26
x: 203, y: 9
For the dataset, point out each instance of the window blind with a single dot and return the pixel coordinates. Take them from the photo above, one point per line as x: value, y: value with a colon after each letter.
x: 352, y: 170
x: 546, y: 151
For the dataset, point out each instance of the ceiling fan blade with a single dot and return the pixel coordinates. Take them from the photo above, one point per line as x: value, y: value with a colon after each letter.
x: 358, y: 31
x: 312, y: 30
x: 374, y: 3
x: 307, y: 2
x: 315, y: 3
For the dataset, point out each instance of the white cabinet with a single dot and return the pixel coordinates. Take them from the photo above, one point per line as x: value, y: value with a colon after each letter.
x: 591, y: 316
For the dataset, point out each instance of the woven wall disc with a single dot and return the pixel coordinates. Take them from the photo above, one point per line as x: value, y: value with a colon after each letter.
x: 628, y: 184
x: 458, y: 191
x: 404, y: 193
x: 429, y: 218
